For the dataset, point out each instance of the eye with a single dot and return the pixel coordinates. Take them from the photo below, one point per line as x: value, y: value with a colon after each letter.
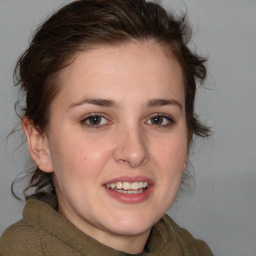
x: 161, y: 120
x: 94, y: 121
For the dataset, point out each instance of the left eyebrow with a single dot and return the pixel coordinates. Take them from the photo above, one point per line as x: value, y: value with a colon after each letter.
x: 163, y: 102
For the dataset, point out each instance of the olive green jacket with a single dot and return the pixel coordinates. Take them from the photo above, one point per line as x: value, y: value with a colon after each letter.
x: 44, y: 231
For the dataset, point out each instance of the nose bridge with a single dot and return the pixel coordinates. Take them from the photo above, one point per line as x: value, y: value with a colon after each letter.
x: 132, y: 146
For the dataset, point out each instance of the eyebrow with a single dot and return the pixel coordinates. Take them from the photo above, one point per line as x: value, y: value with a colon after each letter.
x: 110, y: 103
x: 94, y: 101
x: 163, y: 102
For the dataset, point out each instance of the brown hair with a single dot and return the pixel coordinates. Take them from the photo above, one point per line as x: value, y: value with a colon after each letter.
x: 83, y: 24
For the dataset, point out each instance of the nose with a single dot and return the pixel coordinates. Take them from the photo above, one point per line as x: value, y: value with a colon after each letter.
x: 131, y: 148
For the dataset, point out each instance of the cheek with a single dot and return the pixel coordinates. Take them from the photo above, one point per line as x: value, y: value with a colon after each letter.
x: 170, y: 157
x: 171, y: 154
x: 80, y: 155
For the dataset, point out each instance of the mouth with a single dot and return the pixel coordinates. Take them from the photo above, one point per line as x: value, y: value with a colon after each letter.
x: 130, y: 190
x: 125, y: 187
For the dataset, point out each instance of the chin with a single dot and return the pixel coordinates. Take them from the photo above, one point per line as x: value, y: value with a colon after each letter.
x: 123, y: 231
x: 132, y: 226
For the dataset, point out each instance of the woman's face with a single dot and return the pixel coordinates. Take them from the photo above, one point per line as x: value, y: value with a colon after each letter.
x: 117, y: 139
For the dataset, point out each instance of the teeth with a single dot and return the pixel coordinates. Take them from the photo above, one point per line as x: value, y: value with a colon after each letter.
x: 129, y: 191
x: 135, y: 185
x: 128, y: 186
x: 119, y: 185
x: 145, y: 184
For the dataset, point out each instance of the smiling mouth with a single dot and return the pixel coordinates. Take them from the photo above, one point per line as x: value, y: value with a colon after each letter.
x: 128, y: 187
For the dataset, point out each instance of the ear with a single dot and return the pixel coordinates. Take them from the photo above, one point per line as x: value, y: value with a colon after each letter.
x: 38, y: 146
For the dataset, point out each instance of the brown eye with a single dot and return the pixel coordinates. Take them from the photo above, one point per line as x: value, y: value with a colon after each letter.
x: 157, y: 120
x: 161, y: 120
x: 94, y: 121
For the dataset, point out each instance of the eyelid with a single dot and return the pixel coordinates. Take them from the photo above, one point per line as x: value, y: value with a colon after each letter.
x: 100, y: 115
x: 167, y: 117
x: 171, y: 120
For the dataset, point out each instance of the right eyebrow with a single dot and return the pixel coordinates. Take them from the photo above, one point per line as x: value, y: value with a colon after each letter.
x: 94, y: 101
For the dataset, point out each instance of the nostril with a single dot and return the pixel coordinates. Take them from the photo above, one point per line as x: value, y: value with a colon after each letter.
x: 122, y: 161
x: 133, y: 160
x: 131, y: 148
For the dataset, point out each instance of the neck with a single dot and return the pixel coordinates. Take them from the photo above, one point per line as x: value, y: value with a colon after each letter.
x: 128, y: 244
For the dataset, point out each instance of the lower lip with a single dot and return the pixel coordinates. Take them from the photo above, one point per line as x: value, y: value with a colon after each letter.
x: 130, y: 198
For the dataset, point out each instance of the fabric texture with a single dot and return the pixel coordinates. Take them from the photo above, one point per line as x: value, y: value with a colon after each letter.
x: 44, y: 231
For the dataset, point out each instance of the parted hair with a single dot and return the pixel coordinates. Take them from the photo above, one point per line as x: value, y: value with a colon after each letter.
x: 84, y: 24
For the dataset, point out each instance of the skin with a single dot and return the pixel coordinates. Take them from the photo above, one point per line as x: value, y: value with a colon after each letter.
x: 142, y: 88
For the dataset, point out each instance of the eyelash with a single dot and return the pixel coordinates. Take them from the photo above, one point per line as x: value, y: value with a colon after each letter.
x: 90, y: 117
x: 165, y: 118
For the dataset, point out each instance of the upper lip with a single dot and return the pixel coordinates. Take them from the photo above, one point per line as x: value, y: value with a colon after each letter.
x: 130, y: 179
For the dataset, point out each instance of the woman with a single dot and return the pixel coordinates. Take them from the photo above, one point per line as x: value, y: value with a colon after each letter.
x: 109, y: 119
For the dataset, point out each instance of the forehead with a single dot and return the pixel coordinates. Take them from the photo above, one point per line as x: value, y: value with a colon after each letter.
x: 130, y: 68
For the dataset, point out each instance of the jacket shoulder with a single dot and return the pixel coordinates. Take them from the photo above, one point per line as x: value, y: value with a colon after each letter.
x: 191, y: 245
x: 20, y: 239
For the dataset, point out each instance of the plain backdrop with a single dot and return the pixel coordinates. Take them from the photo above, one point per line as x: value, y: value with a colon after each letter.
x: 221, y: 209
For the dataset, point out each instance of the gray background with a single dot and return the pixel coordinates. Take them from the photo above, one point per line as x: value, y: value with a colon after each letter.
x: 222, y: 208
